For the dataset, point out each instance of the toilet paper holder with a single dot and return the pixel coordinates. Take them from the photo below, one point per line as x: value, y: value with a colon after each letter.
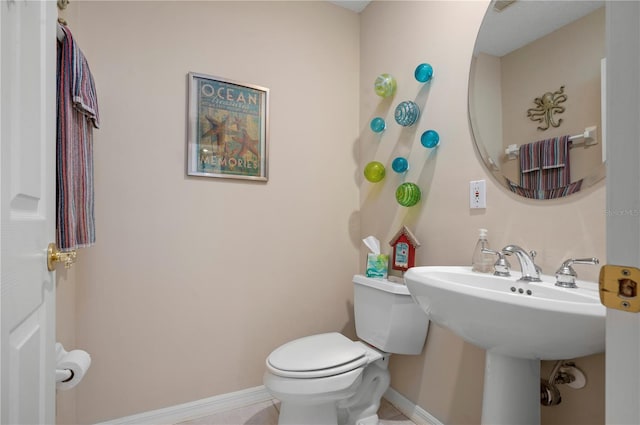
x: 71, y: 367
x: 64, y: 375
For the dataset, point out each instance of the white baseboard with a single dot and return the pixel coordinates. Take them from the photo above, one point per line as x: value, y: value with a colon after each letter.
x: 415, y: 413
x: 224, y: 402
x: 196, y: 409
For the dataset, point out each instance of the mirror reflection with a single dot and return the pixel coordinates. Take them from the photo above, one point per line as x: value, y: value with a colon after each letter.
x: 535, y: 101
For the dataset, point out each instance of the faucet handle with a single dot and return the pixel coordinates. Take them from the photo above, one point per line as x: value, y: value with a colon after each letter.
x: 501, y: 266
x: 533, y: 255
x: 593, y: 261
x: 566, y: 275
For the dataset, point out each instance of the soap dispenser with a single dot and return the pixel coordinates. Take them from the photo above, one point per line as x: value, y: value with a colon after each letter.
x: 482, y: 261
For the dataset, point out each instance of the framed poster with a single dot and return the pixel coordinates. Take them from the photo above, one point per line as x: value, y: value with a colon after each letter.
x: 228, y: 128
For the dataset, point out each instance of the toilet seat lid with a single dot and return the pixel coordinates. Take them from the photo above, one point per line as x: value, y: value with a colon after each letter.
x: 317, y: 356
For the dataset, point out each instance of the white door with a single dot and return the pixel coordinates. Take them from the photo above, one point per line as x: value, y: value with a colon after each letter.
x: 27, y: 210
x: 623, y: 204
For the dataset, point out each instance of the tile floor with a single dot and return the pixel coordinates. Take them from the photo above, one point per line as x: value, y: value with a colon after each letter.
x: 266, y: 413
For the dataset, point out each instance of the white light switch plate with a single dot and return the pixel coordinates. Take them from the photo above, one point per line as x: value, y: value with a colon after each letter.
x: 477, y: 194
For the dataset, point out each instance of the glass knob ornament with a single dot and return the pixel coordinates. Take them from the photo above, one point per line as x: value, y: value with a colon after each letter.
x: 408, y: 194
x: 385, y: 85
x: 430, y: 139
x: 423, y: 72
x: 407, y: 113
x: 400, y: 164
x: 374, y: 171
x: 377, y: 125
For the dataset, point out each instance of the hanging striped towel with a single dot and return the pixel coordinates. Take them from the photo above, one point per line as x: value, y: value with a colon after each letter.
x: 530, y: 157
x: 530, y: 165
x: 555, y: 163
x: 77, y: 111
x: 563, y: 191
x: 555, y: 152
x: 560, y: 192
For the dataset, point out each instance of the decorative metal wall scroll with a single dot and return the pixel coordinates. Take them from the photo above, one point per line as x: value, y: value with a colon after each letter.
x: 547, y: 106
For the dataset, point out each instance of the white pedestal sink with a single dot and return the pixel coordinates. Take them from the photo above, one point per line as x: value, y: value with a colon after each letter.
x: 518, y: 323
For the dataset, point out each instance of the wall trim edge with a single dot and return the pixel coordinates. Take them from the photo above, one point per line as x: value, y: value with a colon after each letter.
x: 415, y: 413
x: 196, y: 409
x: 237, y: 399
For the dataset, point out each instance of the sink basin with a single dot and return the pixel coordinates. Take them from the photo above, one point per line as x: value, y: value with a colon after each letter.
x: 534, y: 320
x: 518, y: 323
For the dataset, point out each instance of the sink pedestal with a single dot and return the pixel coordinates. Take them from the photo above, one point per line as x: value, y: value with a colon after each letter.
x: 517, y: 324
x: 511, y: 391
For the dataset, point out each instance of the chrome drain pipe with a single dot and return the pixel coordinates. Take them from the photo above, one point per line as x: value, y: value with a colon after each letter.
x: 563, y: 373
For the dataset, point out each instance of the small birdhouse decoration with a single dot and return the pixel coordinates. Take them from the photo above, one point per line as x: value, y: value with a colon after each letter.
x: 404, y: 245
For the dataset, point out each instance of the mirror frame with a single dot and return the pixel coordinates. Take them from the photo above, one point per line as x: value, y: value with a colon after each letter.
x: 597, y: 173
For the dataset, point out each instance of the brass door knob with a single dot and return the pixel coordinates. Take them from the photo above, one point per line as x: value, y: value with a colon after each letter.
x: 56, y: 256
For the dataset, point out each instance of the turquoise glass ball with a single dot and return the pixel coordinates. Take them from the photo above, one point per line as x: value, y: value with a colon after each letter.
x: 423, y: 72
x: 407, y: 113
x: 378, y: 125
x: 430, y: 139
x: 400, y: 165
x: 374, y: 171
x: 408, y: 194
x: 385, y: 85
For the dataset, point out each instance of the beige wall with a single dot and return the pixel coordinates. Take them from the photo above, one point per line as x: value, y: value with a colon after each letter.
x: 447, y: 378
x: 165, y: 304
x: 485, y: 106
x: 193, y: 281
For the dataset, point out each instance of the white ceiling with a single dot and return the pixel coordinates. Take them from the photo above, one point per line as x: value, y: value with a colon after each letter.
x: 355, y: 5
x: 519, y: 24
x: 527, y: 20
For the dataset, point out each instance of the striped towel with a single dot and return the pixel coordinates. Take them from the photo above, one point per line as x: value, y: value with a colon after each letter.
x: 530, y: 165
x: 555, y: 163
x: 555, y: 152
x: 530, y: 157
x: 77, y: 111
x: 559, y: 192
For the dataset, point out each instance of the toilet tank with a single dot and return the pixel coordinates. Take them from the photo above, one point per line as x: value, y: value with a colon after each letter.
x: 386, y: 316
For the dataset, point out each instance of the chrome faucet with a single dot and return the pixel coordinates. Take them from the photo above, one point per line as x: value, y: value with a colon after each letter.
x: 502, y: 266
x: 530, y: 272
x: 566, y: 275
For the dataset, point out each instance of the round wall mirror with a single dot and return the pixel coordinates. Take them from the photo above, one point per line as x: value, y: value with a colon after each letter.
x: 535, y: 95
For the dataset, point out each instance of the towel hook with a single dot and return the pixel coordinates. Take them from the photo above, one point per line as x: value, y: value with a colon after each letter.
x: 62, y: 5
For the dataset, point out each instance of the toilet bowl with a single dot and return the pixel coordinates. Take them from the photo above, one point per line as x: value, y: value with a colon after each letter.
x: 328, y: 379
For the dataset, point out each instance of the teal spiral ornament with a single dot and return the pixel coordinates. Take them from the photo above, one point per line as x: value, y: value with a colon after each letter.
x: 407, y: 113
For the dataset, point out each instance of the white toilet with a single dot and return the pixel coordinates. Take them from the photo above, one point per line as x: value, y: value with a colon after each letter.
x: 328, y: 379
